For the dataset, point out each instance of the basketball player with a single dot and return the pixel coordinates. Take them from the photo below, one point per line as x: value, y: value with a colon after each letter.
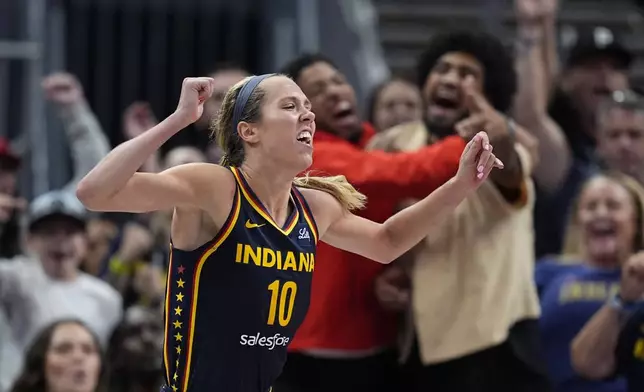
x: 244, y: 234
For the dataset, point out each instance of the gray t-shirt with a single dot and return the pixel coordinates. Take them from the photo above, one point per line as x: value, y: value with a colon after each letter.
x: 30, y: 300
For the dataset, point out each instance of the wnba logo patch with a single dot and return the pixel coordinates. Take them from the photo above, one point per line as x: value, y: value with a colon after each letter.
x: 304, y: 234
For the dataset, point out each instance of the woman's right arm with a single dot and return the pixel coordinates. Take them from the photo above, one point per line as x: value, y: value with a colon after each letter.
x: 593, y: 349
x: 115, y: 185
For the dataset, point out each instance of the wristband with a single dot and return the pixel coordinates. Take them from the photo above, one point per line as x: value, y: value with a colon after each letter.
x: 117, y: 267
x: 616, y: 302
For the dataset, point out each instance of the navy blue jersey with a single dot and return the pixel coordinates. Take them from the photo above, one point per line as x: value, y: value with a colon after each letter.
x: 233, y: 305
x: 570, y: 295
x: 630, y: 351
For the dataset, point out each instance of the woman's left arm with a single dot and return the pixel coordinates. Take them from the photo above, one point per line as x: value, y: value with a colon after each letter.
x: 387, y: 241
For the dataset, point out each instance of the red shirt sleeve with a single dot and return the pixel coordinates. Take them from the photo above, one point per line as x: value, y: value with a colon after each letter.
x: 390, y: 175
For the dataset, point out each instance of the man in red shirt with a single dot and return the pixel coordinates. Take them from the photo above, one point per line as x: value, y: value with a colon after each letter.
x: 345, y: 341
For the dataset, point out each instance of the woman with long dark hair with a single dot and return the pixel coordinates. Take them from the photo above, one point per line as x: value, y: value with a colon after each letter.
x: 65, y: 357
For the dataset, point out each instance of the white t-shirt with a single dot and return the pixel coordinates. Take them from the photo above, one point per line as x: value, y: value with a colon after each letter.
x: 31, y: 300
x: 9, y: 366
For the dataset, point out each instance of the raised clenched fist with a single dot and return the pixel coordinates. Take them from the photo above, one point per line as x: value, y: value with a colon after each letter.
x: 63, y: 88
x: 9, y: 204
x: 534, y: 11
x: 632, y: 283
x: 137, y: 119
x: 136, y: 241
x: 194, y: 93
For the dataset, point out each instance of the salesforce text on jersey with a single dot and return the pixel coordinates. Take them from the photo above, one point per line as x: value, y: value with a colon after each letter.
x: 269, y: 342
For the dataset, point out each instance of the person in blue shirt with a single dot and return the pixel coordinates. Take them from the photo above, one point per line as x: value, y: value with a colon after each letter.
x: 612, y: 342
x: 604, y: 232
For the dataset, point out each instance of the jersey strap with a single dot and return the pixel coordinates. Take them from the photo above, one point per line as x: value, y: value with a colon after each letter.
x: 308, y: 214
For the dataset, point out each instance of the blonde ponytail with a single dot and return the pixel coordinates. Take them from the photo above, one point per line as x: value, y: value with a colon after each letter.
x: 336, y: 186
x: 225, y: 161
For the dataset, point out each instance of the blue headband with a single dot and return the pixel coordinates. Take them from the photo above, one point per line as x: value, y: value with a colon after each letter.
x: 242, y: 98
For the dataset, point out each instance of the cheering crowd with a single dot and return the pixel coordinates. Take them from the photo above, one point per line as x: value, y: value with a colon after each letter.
x: 525, y: 288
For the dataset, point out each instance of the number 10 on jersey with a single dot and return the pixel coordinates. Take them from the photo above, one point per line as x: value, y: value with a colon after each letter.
x: 282, y: 302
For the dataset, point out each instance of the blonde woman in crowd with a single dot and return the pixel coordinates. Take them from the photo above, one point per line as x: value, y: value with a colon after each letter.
x: 604, y: 231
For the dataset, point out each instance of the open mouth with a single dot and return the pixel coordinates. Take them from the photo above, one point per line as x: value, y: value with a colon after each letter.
x: 305, y: 137
x: 602, y: 238
x: 603, y: 231
x: 344, y: 112
x: 445, y: 103
x: 446, y: 99
x: 79, y: 375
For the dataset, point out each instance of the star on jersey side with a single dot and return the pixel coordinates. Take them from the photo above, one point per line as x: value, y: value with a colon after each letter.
x: 180, y: 298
